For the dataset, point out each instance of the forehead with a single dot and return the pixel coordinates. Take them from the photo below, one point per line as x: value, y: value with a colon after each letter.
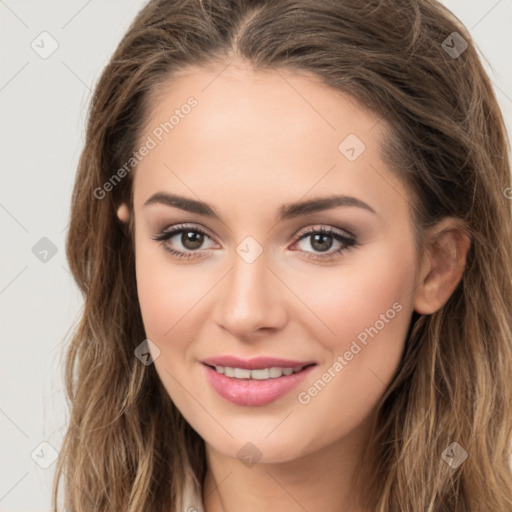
x: 234, y: 91
x: 250, y: 129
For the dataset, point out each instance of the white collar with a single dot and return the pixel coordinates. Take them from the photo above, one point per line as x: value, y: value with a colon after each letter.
x: 192, y: 499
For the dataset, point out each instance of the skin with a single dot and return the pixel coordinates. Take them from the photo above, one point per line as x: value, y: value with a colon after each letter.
x: 255, y: 141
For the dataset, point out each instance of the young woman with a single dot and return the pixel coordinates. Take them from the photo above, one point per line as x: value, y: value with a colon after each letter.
x: 291, y: 226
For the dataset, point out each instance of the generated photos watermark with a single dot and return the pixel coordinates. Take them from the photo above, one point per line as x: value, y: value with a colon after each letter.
x: 361, y: 341
x: 151, y: 142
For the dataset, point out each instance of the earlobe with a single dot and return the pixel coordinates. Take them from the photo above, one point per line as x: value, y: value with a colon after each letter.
x: 123, y: 213
x: 443, y: 267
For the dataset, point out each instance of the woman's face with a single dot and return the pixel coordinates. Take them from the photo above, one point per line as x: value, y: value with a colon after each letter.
x: 248, y: 164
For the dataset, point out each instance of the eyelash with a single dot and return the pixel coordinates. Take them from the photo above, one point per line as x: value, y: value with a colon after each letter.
x: 348, y: 241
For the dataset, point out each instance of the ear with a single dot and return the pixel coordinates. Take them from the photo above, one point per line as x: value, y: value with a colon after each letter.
x: 443, y: 264
x: 123, y: 213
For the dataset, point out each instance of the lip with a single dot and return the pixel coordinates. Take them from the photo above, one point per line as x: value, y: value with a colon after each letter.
x: 252, y: 392
x: 255, y: 363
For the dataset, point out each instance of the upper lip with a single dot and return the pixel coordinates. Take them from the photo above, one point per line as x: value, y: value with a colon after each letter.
x: 255, y: 363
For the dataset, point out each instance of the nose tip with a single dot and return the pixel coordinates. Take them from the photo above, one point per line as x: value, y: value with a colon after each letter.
x: 251, y: 299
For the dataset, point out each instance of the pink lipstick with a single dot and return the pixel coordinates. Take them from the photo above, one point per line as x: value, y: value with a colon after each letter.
x: 254, y: 382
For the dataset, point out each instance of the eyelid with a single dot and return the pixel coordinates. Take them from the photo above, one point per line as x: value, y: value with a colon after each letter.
x: 324, y: 228
x: 304, y: 231
x: 175, y: 229
x: 346, y: 237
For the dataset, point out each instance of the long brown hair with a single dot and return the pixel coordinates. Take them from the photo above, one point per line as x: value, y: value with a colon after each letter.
x: 127, y: 447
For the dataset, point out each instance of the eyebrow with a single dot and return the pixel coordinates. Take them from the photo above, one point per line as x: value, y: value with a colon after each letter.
x: 285, y: 212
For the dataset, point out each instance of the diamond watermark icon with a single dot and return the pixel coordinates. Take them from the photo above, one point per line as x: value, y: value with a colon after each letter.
x: 44, y: 250
x: 454, y: 455
x: 147, y: 352
x: 249, y: 454
x: 351, y: 147
x: 44, y: 455
x: 44, y: 45
x: 249, y: 249
x: 454, y: 45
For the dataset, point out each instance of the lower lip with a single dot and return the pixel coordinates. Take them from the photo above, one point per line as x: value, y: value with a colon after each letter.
x: 252, y: 392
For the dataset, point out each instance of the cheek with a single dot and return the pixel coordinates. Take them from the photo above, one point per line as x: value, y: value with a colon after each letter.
x: 168, y: 296
x: 368, y: 310
x: 166, y: 292
x: 353, y: 296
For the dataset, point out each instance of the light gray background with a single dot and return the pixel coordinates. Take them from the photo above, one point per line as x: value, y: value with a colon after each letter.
x: 43, y: 106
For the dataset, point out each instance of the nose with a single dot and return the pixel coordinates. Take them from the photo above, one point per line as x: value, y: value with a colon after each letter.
x: 253, y: 299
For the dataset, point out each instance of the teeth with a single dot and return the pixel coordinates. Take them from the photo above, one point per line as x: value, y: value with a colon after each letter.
x: 241, y: 373
x: 260, y: 374
x: 275, y: 372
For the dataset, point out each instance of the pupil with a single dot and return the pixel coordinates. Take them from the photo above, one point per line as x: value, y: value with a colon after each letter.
x: 191, y: 240
x: 322, y: 246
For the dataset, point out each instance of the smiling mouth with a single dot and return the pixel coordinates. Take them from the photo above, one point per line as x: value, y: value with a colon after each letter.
x: 273, y: 372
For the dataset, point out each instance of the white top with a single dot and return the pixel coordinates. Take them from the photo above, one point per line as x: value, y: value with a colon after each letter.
x: 192, y: 500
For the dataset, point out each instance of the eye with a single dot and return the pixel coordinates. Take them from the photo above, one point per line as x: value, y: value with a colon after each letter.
x: 322, y: 240
x: 190, y: 239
